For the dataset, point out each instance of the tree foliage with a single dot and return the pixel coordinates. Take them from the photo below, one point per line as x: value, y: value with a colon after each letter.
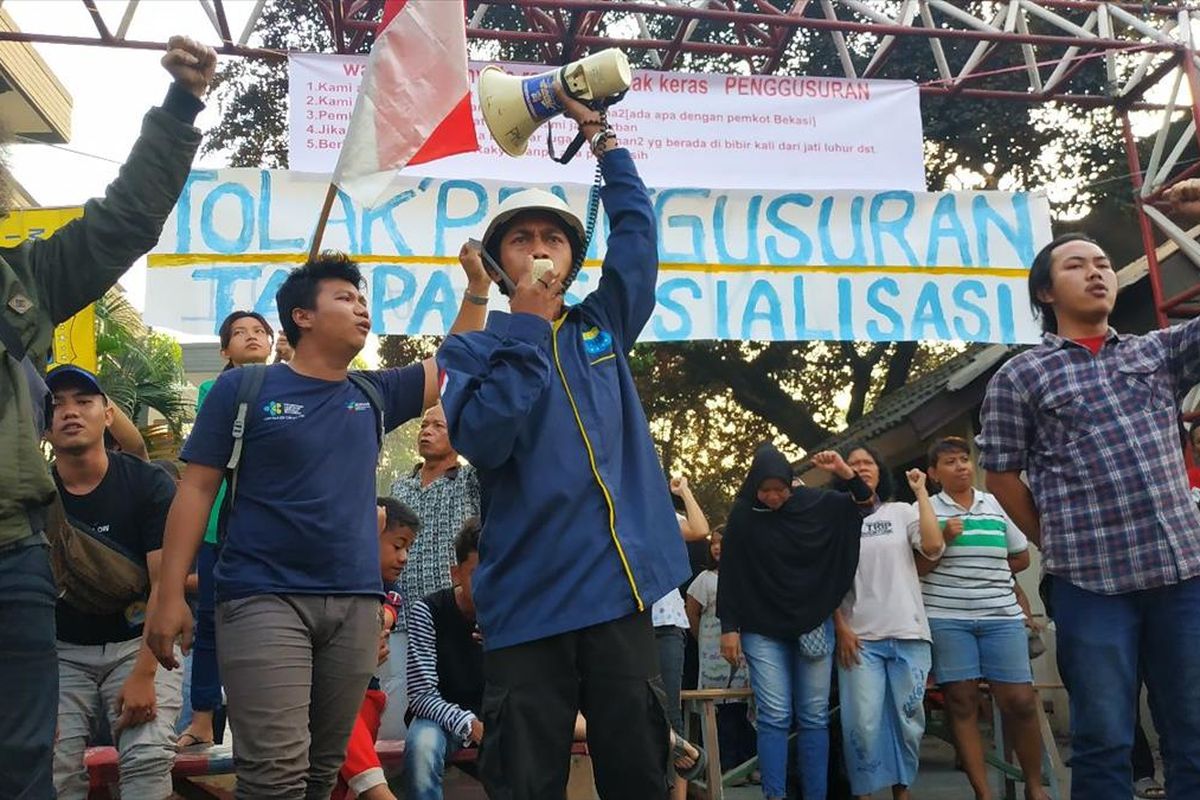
x: 252, y: 93
x: 709, y: 403
x: 139, y: 368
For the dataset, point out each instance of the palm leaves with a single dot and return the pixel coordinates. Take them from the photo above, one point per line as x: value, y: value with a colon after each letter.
x: 139, y: 369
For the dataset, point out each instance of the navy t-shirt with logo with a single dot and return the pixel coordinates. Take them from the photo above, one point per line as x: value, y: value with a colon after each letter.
x: 304, y: 519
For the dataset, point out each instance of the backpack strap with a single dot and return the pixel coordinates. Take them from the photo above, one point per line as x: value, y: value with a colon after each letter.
x: 367, y: 387
x: 249, y: 388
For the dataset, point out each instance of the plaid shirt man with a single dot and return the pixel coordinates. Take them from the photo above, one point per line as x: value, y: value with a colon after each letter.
x: 1099, y: 439
x: 442, y: 506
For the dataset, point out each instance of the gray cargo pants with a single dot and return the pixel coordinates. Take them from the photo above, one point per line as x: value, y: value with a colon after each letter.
x: 90, y: 678
x: 295, y: 669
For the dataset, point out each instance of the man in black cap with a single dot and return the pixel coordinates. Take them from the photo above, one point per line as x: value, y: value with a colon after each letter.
x: 116, y: 506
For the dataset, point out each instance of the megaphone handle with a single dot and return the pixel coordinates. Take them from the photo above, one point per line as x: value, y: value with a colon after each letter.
x: 571, y: 150
x: 492, y: 267
x: 604, y: 102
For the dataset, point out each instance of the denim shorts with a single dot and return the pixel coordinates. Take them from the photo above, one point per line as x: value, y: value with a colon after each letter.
x: 967, y: 649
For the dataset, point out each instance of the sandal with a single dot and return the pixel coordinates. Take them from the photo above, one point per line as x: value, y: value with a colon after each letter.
x: 679, y: 751
x: 1149, y: 788
x: 194, y: 746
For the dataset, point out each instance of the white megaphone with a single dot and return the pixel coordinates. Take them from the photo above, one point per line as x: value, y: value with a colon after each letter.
x: 513, y: 107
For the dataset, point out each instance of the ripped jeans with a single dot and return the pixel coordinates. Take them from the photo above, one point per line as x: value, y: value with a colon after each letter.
x: 883, y: 713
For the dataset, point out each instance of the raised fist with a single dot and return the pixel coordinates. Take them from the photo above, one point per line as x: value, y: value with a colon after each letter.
x: 190, y: 63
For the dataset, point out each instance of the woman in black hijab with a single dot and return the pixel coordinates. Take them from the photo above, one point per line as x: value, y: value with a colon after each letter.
x: 788, y: 558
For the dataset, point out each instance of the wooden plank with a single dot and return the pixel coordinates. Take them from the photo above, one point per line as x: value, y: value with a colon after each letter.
x: 191, y: 790
x: 715, y: 694
x: 716, y: 786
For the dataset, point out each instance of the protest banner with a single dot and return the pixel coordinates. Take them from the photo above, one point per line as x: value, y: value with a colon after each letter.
x: 735, y: 264
x: 732, y: 131
x: 75, y: 339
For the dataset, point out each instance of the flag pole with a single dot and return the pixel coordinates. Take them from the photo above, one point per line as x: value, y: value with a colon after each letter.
x: 319, y: 233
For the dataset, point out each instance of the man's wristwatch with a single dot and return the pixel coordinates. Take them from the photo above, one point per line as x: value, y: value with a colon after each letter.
x: 598, y: 139
x: 475, y: 299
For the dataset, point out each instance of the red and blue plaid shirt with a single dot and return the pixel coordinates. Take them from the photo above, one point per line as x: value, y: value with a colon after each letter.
x: 1099, y: 439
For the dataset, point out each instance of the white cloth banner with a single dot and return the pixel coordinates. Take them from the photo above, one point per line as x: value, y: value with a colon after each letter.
x: 735, y: 131
x: 735, y: 264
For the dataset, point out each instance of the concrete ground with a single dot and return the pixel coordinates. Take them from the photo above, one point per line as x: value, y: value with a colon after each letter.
x: 937, y: 780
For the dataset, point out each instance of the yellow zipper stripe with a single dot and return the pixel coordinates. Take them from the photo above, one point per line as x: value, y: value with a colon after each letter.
x: 602, y: 359
x: 612, y: 511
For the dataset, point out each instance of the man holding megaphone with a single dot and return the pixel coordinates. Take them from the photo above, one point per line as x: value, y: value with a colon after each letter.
x: 579, y: 536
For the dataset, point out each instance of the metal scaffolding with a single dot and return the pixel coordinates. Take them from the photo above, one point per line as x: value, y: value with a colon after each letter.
x: 1147, y: 50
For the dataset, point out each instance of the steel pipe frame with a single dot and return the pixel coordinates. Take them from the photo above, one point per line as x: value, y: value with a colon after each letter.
x: 772, y: 26
x: 767, y: 33
x: 763, y: 34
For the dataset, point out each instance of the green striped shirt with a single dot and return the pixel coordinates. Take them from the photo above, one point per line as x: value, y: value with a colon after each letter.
x: 973, y: 579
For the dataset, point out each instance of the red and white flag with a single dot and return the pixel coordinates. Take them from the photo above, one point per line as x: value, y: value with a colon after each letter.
x: 414, y: 103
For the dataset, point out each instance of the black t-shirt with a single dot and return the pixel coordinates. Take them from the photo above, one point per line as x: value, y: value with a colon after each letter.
x: 459, y: 653
x: 129, y: 506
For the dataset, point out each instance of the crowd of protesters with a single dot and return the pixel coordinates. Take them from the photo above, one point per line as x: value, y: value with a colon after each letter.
x: 527, y: 584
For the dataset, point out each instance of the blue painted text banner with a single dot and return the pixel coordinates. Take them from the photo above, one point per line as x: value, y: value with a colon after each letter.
x: 735, y: 264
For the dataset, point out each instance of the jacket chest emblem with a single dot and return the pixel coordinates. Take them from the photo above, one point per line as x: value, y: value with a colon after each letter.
x: 20, y: 303
x: 596, y: 342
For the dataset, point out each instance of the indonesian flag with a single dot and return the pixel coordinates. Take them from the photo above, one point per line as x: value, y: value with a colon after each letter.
x: 414, y: 104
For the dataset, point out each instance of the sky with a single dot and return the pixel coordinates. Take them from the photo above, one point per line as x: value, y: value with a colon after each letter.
x: 111, y: 88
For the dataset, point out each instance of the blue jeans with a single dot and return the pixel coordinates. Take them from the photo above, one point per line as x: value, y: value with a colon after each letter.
x: 1102, y: 639
x: 996, y: 650
x: 670, y: 640
x: 185, y: 713
x: 28, y: 671
x: 206, y: 676
x: 393, y: 681
x: 883, y: 713
x: 425, y: 753
x: 790, y: 688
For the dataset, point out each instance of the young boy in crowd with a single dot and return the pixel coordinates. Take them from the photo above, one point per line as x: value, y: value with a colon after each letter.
x: 362, y: 774
x: 977, y: 623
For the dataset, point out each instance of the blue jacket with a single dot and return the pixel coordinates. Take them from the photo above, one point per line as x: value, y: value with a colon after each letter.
x: 578, y: 526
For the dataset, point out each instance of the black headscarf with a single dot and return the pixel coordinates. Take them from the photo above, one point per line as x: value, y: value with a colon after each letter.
x: 783, y: 572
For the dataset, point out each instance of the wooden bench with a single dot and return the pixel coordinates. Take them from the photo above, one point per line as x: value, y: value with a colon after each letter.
x: 704, y: 703
x: 103, y: 770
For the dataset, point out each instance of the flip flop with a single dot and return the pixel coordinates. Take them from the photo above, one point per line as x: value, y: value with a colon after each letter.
x: 679, y: 750
x: 194, y: 746
x: 1150, y: 789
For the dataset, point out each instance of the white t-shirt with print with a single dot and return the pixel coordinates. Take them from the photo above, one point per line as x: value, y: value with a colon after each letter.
x: 885, y: 601
x: 669, y: 610
x: 714, y: 670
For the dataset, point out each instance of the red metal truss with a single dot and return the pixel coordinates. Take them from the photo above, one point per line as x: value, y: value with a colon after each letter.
x: 1028, y: 51
x: 1054, y: 39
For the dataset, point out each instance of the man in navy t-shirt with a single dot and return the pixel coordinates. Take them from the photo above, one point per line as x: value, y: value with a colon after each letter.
x: 298, y: 578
